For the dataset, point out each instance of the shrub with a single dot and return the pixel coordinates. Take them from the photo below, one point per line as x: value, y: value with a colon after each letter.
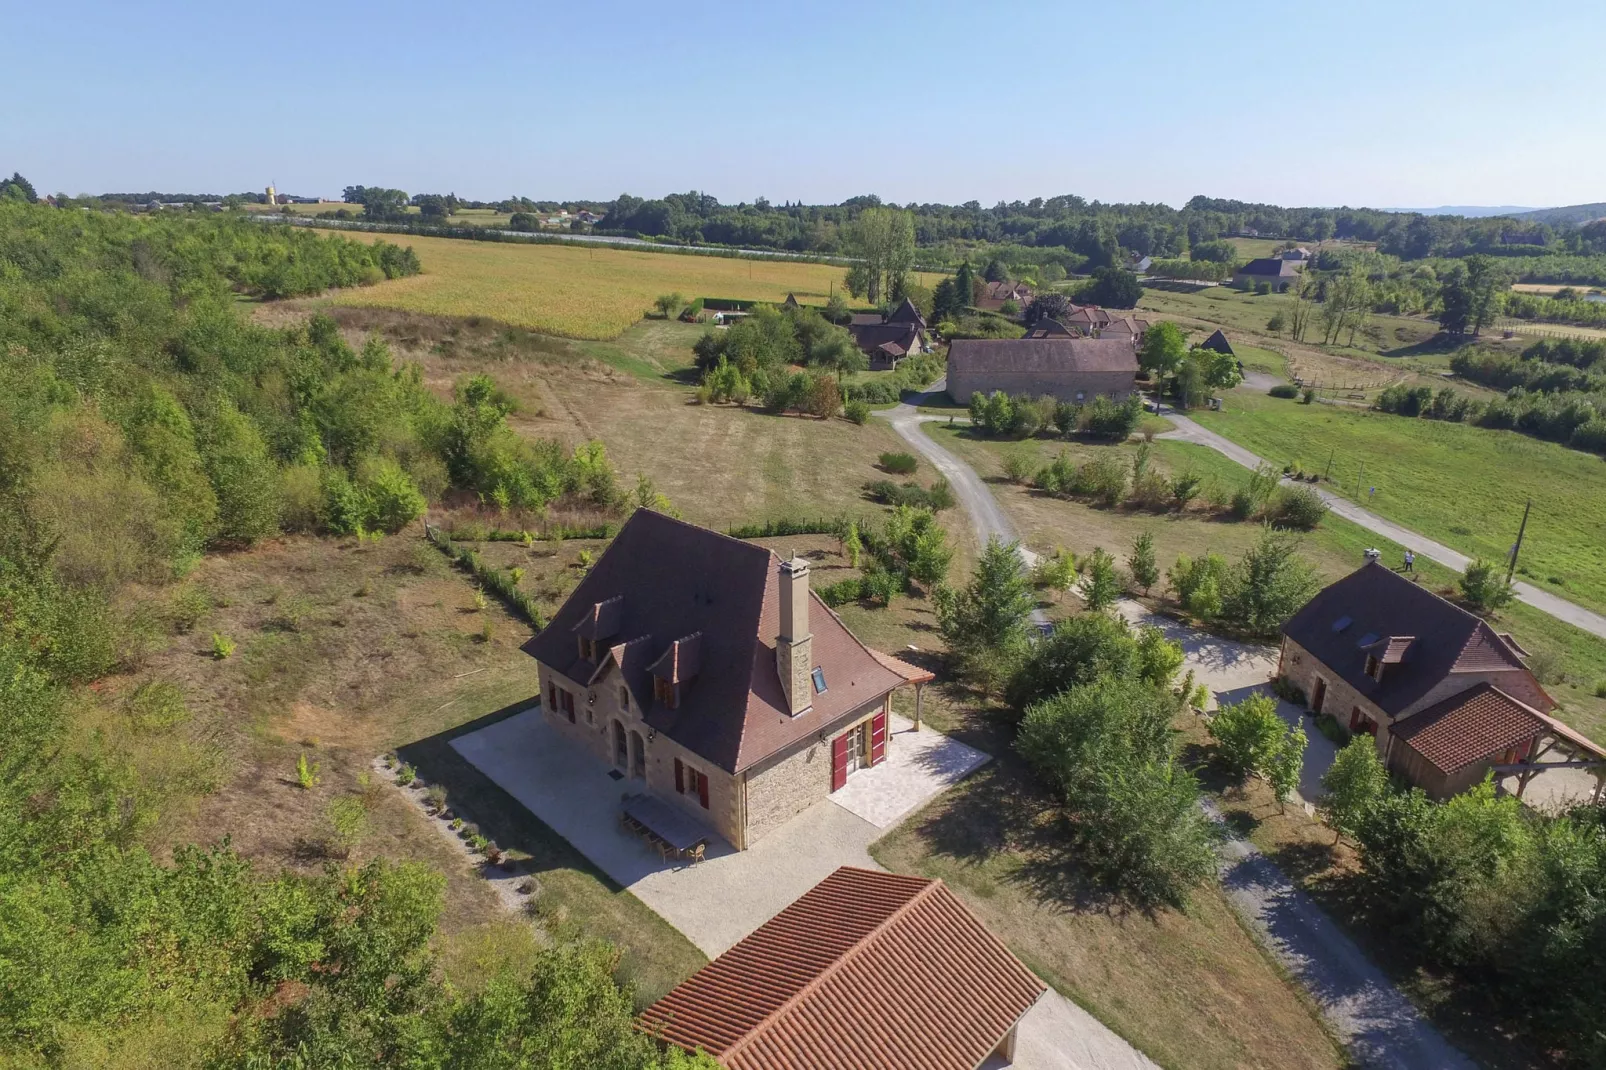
x: 856, y: 411
x: 1284, y: 390
x: 1101, y: 584
x: 842, y: 592
x: 1300, y: 508
x: 222, y: 646
x: 1247, y: 736
x: 406, y: 774
x: 1141, y: 562
x: 156, y: 705
x: 900, y: 464
x: 189, y: 605
x: 1266, y: 586
x: 347, y: 819
x: 1184, y: 488
x: 1484, y: 588
x: 435, y: 797
x: 307, y: 774
x: 1018, y: 464
x: 1308, y: 396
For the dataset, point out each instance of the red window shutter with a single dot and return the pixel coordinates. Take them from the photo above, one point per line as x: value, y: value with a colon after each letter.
x: 839, y: 761
x: 878, y: 739
x: 702, y: 790
x: 680, y: 777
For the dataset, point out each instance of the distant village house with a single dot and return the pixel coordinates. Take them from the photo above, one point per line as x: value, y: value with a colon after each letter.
x: 1070, y: 369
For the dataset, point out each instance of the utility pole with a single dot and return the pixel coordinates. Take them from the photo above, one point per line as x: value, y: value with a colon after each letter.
x: 1359, y: 479
x: 1329, y: 470
x: 1517, y: 548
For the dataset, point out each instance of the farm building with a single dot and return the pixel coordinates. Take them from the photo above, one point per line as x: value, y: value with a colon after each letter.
x: 711, y: 679
x: 1071, y: 369
x: 888, y: 339
x: 1445, y: 696
x: 865, y: 969
x: 1274, y: 271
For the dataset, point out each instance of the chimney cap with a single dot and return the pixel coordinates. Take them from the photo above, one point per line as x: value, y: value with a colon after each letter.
x: 795, y: 565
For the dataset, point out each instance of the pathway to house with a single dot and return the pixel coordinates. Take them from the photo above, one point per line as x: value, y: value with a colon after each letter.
x: 1579, y: 617
x: 1374, y: 1020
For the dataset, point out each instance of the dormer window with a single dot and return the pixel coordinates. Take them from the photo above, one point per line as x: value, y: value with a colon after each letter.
x: 1374, y: 667
x: 665, y: 692
x: 588, y: 649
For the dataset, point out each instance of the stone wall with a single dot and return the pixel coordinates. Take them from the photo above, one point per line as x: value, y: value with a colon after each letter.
x: 784, y: 786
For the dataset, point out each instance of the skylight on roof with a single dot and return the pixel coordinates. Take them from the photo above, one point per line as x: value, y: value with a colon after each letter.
x: 1341, y: 623
x: 1367, y: 640
x: 818, y: 676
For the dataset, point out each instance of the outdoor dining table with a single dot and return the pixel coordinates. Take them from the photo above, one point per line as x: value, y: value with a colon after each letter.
x: 663, y: 821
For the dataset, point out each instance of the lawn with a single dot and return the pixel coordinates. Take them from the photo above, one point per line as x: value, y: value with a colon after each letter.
x: 1462, y: 485
x: 578, y: 292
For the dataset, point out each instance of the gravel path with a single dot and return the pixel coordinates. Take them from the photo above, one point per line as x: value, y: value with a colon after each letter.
x: 1188, y: 431
x: 1370, y: 1016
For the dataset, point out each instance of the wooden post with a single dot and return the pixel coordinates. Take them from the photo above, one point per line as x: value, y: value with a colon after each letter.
x: 920, y: 690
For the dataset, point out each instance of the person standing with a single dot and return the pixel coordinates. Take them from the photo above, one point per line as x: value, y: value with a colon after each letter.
x: 1410, y: 561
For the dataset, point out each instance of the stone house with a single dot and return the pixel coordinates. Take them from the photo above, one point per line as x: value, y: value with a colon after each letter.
x: 865, y: 969
x: 1274, y: 271
x: 1070, y: 369
x: 1444, y: 695
x: 995, y: 294
x: 705, y: 671
x: 886, y: 340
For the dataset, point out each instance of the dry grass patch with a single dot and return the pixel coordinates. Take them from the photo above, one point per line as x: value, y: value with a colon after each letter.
x: 577, y: 292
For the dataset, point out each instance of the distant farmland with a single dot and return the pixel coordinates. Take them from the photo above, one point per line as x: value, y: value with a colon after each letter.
x: 578, y: 292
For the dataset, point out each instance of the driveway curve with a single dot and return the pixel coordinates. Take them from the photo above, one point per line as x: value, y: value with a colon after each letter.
x: 1569, y: 612
x: 1371, y: 1017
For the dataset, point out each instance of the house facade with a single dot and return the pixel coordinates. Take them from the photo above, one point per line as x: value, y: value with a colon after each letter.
x: 995, y: 294
x: 1445, y: 697
x: 1070, y: 369
x: 704, y: 672
x: 888, y: 339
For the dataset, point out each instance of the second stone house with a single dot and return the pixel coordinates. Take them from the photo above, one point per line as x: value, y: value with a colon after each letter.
x: 705, y: 671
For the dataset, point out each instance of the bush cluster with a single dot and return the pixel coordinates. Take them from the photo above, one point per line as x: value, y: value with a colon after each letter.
x: 1000, y: 416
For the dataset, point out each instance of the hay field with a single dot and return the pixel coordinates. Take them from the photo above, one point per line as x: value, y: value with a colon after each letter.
x: 578, y: 292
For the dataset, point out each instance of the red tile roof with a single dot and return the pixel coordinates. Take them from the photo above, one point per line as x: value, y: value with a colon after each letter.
x: 867, y: 969
x: 1481, y: 723
x: 912, y: 673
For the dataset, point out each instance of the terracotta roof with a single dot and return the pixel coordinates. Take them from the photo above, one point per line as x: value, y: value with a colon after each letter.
x: 912, y: 673
x: 678, y: 579
x: 892, y: 349
x: 866, y: 969
x: 1354, y: 614
x: 1480, y: 723
x: 1043, y: 355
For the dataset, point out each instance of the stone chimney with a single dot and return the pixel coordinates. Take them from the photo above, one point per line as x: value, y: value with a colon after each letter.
x: 794, y: 646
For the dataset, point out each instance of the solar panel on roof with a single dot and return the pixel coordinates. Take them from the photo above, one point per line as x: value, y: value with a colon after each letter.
x: 1341, y: 623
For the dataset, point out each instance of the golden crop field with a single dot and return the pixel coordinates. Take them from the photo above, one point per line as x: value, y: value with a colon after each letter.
x: 578, y: 292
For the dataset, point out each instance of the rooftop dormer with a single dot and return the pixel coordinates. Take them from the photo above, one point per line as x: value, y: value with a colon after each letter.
x: 601, y: 623
x: 676, y: 669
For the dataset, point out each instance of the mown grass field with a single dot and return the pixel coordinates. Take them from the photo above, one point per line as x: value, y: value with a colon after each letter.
x: 1461, y: 485
x: 577, y: 292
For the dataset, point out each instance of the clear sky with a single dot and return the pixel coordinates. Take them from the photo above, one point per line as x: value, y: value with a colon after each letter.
x: 1401, y: 103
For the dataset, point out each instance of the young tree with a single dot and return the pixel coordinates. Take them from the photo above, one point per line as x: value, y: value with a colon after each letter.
x: 1300, y: 293
x: 966, y: 284
x: 1162, y: 350
x: 1484, y: 281
x: 1354, y: 782
x: 1287, y: 764
x: 1484, y: 588
x: 669, y: 305
x: 1252, y: 740
x: 1141, y: 562
x: 1101, y: 584
x: 1079, y: 650
x: 1114, y: 288
x: 1267, y: 585
x: 1158, y: 658
x: 986, y: 624
x: 995, y: 271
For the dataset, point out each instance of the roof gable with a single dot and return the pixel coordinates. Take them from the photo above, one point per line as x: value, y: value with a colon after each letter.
x: 826, y: 984
x: 1270, y: 265
x: 1482, y: 722
x: 1053, y: 354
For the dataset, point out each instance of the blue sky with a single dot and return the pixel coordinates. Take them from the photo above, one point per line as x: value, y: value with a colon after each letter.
x: 1407, y: 103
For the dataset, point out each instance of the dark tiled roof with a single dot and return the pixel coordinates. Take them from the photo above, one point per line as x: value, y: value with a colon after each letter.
x: 866, y: 969
x: 1004, y: 290
x: 871, y: 336
x: 1270, y: 266
x: 1049, y: 328
x: 1043, y: 355
x: 1219, y: 343
x: 678, y: 580
x: 1373, y: 603
x: 907, y: 313
x: 1480, y: 723
x: 866, y: 319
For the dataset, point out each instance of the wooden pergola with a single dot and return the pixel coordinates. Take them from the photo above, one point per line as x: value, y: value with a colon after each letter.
x: 1572, y: 750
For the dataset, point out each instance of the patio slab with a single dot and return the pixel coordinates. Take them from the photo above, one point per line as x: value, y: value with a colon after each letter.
x: 715, y: 903
x: 919, y: 767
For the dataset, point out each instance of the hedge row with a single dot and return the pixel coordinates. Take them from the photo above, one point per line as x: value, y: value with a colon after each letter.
x: 470, y: 534
x: 492, y: 579
x: 769, y: 529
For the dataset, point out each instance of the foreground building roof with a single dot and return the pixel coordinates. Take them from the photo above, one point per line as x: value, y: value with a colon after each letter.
x: 1469, y: 727
x: 865, y: 970
x: 1043, y: 355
